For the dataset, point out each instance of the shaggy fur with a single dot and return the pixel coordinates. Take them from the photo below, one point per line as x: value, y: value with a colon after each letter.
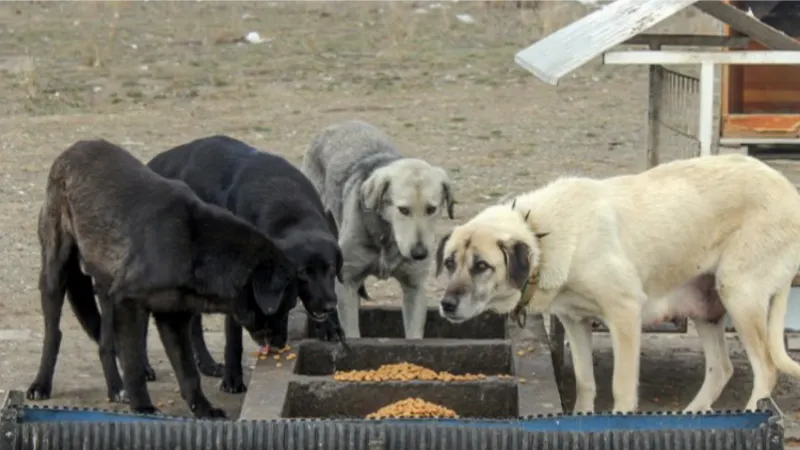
x: 150, y: 245
x: 695, y: 238
x: 385, y: 206
x: 275, y: 197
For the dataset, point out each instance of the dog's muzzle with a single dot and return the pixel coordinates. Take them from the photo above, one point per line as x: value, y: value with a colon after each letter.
x: 319, y: 316
x: 450, y: 304
x: 419, y: 252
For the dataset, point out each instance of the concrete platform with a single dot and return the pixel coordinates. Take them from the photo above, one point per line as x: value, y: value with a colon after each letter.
x: 304, y: 387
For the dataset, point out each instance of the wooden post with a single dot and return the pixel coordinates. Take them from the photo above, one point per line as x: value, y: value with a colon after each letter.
x: 656, y: 82
x: 706, y: 125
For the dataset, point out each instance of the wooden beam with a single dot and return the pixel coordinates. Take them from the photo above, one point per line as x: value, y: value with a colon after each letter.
x: 758, y: 57
x: 707, y: 40
x: 744, y: 23
x: 761, y: 125
x: 583, y: 40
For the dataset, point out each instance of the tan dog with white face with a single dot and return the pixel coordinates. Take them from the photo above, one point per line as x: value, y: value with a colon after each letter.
x: 488, y: 261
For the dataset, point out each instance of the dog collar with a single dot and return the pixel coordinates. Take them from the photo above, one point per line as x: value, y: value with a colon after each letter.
x: 520, y: 312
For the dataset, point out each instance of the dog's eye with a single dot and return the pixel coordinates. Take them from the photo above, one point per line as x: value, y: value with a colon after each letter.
x: 404, y: 210
x: 430, y: 209
x: 480, y: 266
x: 449, y: 264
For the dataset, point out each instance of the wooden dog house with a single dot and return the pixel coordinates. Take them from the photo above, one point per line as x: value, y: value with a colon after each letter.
x: 761, y: 103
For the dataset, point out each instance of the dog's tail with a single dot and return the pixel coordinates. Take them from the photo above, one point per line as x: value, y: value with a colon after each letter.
x: 80, y: 293
x: 775, y: 327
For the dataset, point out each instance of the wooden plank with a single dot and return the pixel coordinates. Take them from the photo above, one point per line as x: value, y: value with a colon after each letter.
x: 579, y: 42
x: 759, y: 140
x: 698, y: 40
x: 761, y: 125
x: 743, y: 22
x: 647, y: 57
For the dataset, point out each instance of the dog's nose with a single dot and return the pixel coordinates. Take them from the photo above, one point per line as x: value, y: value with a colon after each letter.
x: 449, y: 304
x: 419, y: 252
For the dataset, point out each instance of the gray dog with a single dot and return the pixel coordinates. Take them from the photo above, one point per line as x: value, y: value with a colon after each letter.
x: 384, y: 205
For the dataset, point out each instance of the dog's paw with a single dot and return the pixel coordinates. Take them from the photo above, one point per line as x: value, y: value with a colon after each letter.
x: 329, y: 331
x: 208, y: 412
x: 211, y: 370
x: 118, y: 396
x: 216, y: 413
x: 232, y: 385
x: 38, y: 391
x: 278, y: 342
x: 149, y: 373
x: 149, y: 409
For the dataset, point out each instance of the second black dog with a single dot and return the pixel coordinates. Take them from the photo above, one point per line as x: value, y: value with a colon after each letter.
x: 277, y: 198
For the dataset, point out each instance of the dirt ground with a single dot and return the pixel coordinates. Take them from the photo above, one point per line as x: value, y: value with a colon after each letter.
x: 151, y: 75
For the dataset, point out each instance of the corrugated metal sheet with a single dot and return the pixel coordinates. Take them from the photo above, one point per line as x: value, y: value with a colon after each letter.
x: 28, y: 428
x: 579, y: 42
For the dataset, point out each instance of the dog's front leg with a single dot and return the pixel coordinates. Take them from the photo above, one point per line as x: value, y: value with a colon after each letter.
x: 205, y: 363
x: 415, y: 306
x: 347, y: 307
x: 624, y: 323
x: 174, y: 331
x: 579, y: 336
x: 232, y: 378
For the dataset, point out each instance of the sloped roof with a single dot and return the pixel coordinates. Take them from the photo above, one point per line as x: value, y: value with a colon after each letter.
x: 579, y: 42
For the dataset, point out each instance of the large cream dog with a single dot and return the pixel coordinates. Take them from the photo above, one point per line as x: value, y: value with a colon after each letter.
x: 695, y: 238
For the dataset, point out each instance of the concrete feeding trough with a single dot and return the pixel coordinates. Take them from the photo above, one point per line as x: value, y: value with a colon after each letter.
x: 316, y: 395
x: 387, y: 322
x: 517, y: 364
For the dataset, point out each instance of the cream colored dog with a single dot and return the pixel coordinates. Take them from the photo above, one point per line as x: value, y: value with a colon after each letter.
x: 694, y: 238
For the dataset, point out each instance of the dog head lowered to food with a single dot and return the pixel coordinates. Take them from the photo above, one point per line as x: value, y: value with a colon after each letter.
x: 408, y: 194
x: 318, y: 259
x: 488, y: 262
x: 274, y: 288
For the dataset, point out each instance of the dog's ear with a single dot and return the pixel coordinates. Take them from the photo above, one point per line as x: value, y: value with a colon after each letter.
x: 332, y: 223
x: 272, y: 286
x: 440, y: 253
x: 448, y: 199
x: 447, y: 193
x: 374, y: 189
x: 518, y: 262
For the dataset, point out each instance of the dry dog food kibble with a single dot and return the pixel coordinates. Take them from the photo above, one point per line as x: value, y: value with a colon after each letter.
x: 412, y: 408
x: 403, y: 372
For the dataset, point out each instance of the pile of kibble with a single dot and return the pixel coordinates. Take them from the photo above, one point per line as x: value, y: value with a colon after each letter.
x: 403, y: 372
x: 413, y: 408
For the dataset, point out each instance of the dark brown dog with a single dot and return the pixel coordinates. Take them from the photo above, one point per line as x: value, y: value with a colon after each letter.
x: 151, y: 246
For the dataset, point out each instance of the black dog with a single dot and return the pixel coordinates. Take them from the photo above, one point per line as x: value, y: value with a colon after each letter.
x: 277, y: 198
x: 151, y: 246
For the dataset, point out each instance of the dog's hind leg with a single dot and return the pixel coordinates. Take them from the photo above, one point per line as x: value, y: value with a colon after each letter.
x: 747, y: 309
x: 579, y: 336
x: 232, y: 378
x: 174, y: 331
x: 205, y: 363
x: 150, y: 374
x: 108, y: 359
x: 719, y: 368
x: 59, y: 259
x: 129, y: 325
